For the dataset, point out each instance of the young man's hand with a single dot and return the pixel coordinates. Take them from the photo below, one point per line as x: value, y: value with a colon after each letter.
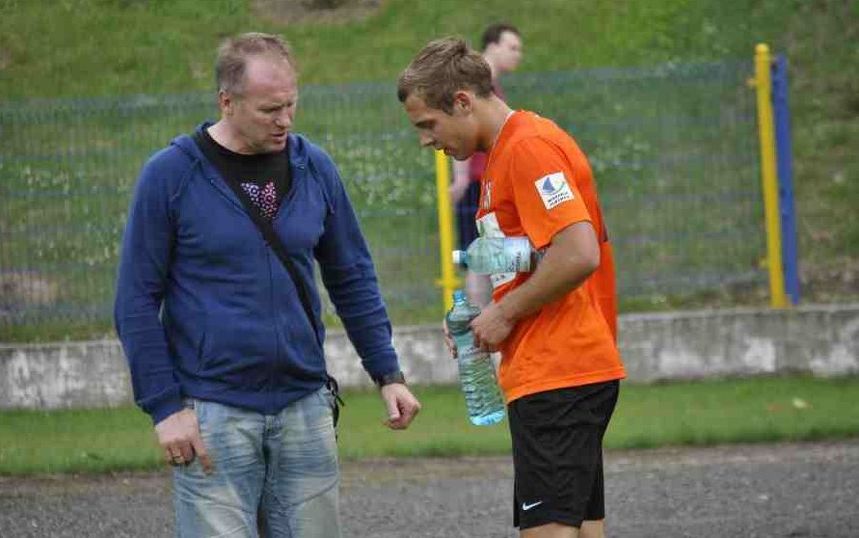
x: 491, y: 327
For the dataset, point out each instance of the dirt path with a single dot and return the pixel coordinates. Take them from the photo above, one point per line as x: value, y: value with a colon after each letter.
x: 784, y: 490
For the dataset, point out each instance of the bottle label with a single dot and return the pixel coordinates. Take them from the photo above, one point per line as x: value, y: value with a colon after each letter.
x: 487, y: 226
x: 518, y: 257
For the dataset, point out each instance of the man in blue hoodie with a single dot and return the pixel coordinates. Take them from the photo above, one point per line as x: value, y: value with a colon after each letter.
x: 224, y: 341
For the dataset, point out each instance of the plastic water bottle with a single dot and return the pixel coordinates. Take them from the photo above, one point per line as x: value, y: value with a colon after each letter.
x: 476, y: 370
x: 493, y: 255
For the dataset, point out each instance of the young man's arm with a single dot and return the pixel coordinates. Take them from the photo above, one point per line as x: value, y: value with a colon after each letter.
x: 570, y: 259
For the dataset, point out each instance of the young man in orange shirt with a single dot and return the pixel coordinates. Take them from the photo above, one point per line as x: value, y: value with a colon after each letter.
x: 555, y: 327
x: 502, y: 50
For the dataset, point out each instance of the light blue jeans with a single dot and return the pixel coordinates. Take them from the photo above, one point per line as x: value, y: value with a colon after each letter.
x: 275, y: 475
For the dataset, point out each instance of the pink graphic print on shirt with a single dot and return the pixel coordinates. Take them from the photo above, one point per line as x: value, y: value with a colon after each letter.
x: 265, y: 199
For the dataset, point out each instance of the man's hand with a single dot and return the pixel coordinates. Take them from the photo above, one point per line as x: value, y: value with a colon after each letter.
x: 402, y: 406
x: 491, y: 327
x: 179, y: 437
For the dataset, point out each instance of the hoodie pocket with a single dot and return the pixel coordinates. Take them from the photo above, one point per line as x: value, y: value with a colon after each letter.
x: 236, y: 352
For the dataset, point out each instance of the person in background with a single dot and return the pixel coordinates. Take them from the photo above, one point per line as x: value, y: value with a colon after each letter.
x: 560, y: 366
x: 502, y: 49
x: 223, y: 337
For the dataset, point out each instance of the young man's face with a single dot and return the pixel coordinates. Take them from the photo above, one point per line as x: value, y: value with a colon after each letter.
x: 260, y: 115
x: 455, y: 133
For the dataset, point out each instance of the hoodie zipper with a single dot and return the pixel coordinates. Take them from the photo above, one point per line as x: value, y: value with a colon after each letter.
x: 287, y: 196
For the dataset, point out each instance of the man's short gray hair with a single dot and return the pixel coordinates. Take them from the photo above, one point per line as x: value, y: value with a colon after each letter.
x: 235, y: 51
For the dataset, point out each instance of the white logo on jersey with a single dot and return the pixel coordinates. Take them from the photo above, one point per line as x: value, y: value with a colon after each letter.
x: 553, y: 189
x: 487, y: 194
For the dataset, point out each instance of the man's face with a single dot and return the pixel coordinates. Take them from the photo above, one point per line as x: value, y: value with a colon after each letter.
x: 507, y: 52
x: 261, y: 112
x: 455, y: 134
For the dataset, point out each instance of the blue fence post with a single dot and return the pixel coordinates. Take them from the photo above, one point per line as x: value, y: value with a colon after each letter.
x: 784, y: 165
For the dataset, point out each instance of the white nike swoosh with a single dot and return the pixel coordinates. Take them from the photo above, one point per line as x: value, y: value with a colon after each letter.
x: 530, y: 506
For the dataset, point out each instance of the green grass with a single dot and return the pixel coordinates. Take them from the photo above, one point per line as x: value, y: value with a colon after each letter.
x: 681, y: 413
x: 113, y: 47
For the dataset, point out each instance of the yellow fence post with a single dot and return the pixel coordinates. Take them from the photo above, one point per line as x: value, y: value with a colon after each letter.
x: 448, y: 280
x: 763, y: 85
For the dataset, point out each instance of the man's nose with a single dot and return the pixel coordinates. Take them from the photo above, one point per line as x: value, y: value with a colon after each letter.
x: 426, y: 140
x: 284, y: 119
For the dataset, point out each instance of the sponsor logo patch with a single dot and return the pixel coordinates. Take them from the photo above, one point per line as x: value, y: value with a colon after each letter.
x: 553, y: 189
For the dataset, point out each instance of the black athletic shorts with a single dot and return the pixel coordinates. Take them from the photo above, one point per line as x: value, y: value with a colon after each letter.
x: 557, y: 454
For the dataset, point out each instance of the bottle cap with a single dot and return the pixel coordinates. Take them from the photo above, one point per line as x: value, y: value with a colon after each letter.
x: 458, y: 296
x: 458, y: 257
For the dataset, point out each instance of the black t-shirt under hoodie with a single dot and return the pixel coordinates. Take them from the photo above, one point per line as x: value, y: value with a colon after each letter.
x: 265, y: 177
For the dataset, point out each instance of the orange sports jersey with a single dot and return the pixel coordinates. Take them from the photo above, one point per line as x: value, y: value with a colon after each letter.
x: 537, y: 182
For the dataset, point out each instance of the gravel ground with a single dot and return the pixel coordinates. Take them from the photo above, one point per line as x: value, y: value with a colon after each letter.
x: 782, y: 490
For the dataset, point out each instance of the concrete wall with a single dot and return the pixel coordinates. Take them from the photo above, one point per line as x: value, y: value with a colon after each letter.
x: 822, y: 340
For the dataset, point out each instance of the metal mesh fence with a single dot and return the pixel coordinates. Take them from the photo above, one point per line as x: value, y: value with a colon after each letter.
x: 673, y: 149
x: 675, y: 156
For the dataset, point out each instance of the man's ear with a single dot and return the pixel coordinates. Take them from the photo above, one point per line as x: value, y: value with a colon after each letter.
x: 463, y: 102
x: 226, y: 102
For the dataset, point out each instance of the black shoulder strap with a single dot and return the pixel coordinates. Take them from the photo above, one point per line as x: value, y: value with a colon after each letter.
x: 272, y: 239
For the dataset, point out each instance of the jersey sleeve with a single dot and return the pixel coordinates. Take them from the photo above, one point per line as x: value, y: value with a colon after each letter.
x: 544, y: 190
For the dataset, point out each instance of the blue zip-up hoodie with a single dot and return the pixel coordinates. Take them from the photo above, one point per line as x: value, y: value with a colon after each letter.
x: 204, y: 307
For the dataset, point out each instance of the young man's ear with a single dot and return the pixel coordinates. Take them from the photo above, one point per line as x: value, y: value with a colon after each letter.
x: 462, y: 102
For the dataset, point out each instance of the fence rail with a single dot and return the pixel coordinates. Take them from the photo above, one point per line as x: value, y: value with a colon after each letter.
x: 673, y: 148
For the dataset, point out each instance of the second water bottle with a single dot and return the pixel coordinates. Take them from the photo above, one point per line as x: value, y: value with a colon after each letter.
x: 476, y: 370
